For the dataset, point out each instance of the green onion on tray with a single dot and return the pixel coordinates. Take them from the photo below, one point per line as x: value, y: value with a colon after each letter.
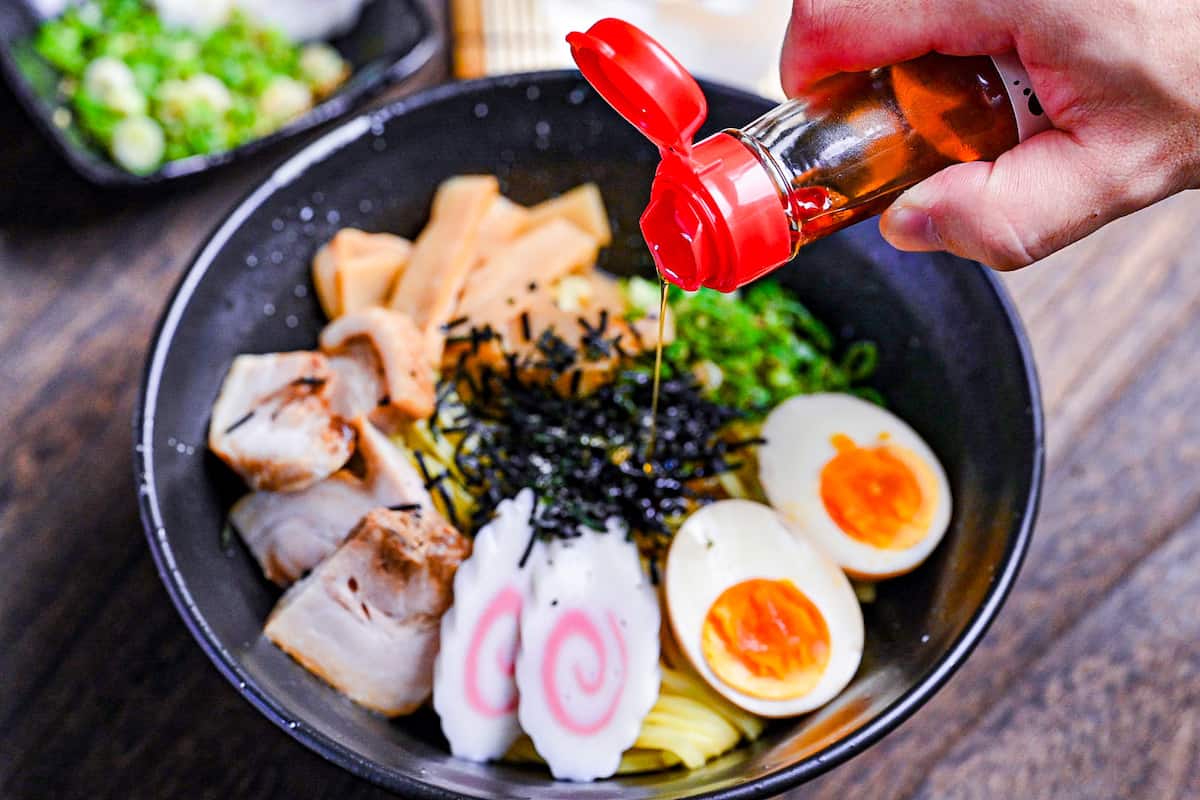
x: 148, y: 92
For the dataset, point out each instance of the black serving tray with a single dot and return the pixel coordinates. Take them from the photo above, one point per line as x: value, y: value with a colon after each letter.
x: 391, y: 42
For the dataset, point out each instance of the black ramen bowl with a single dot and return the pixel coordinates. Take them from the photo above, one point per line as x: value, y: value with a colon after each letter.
x: 954, y: 362
x: 392, y: 40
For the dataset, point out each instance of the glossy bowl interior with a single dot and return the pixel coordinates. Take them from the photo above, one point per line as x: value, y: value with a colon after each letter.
x: 392, y: 40
x: 954, y: 363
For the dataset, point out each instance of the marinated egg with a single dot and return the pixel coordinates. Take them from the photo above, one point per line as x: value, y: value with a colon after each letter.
x: 763, y: 615
x: 856, y: 479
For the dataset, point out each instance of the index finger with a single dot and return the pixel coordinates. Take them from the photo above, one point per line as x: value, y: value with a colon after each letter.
x: 825, y: 37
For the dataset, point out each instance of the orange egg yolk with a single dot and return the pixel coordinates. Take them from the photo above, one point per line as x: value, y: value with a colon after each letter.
x: 767, y: 639
x: 881, y: 496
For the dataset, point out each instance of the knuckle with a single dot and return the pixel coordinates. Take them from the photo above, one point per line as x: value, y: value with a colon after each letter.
x: 1003, y: 246
x: 814, y: 21
x: 804, y: 12
x: 973, y: 211
x: 1009, y: 238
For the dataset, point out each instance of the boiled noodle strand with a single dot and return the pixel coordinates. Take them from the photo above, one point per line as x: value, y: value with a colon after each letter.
x: 639, y: 760
x: 420, y: 439
x: 689, y: 724
x: 689, y: 748
x: 678, y: 711
x: 685, y: 684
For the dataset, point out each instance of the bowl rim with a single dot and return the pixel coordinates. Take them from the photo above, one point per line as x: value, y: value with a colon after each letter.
x: 89, y: 162
x: 763, y: 786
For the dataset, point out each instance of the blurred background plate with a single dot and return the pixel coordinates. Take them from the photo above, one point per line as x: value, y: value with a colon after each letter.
x: 392, y: 40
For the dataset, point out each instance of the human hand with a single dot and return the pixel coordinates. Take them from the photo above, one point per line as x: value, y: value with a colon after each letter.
x: 1120, y: 80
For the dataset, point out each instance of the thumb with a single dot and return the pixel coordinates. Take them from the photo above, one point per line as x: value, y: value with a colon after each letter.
x: 1037, y: 198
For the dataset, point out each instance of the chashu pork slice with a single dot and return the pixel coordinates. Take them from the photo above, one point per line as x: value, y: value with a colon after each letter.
x: 274, y: 424
x: 289, y: 533
x: 367, y: 620
x: 379, y: 357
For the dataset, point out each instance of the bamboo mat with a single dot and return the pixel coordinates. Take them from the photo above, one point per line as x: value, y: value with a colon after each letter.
x: 498, y: 37
x: 494, y: 37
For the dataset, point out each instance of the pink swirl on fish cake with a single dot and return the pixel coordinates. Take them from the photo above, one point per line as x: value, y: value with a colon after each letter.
x: 505, y: 603
x: 577, y: 623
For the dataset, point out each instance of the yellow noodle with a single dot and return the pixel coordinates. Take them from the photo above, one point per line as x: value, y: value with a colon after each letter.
x: 639, y: 760
x: 523, y: 752
x: 684, y: 738
x: 683, y: 682
x: 440, y: 451
x: 864, y: 591
x: 733, y: 486
x: 706, y: 739
x: 636, y: 759
x: 682, y: 743
x: 681, y: 712
x: 689, y: 725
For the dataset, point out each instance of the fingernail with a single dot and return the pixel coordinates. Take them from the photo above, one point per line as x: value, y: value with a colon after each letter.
x: 910, y: 228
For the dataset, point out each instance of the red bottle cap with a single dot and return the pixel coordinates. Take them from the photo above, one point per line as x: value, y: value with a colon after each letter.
x: 715, y: 218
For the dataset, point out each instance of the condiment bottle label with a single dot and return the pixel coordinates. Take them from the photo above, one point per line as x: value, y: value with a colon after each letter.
x: 1031, y: 117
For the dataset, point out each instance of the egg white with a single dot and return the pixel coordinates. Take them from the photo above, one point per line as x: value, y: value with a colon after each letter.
x: 798, y: 435
x: 731, y: 541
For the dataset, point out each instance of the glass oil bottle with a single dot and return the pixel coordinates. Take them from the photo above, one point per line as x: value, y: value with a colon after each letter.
x: 727, y: 210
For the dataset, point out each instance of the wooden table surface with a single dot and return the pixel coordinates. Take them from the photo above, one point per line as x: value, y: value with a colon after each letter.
x: 1087, y: 686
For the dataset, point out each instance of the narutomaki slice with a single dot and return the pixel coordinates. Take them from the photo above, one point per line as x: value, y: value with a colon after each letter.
x: 587, y: 670
x: 474, y: 692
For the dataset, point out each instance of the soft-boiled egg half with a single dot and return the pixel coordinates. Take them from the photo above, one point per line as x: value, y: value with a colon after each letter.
x: 857, y: 480
x: 767, y: 620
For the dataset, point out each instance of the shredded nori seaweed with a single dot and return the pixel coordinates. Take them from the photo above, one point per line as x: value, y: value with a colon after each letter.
x: 242, y: 420
x: 584, y: 455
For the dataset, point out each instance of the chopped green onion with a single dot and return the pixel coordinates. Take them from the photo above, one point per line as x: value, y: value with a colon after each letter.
x: 138, y: 144
x: 765, y: 345
x: 208, y: 88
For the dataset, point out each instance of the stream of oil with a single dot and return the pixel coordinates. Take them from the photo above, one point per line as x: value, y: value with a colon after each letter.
x: 658, y: 353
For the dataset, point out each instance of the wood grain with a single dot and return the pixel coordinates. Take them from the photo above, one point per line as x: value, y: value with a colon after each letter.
x: 106, y: 694
x: 1113, y: 711
x: 1117, y: 486
x: 1122, y: 293
x: 1087, y: 686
